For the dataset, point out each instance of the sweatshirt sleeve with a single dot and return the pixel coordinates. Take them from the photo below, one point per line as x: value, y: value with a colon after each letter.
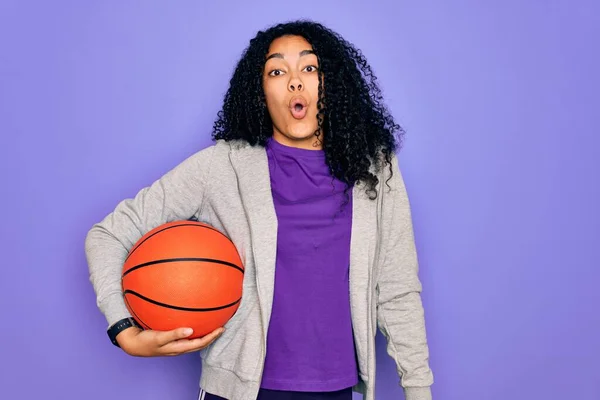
x: 400, y: 313
x: 177, y: 195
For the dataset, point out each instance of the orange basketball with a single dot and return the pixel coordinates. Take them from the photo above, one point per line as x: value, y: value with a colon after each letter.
x: 183, y: 274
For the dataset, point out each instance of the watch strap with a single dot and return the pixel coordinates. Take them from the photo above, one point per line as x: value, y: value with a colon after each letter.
x: 118, y: 327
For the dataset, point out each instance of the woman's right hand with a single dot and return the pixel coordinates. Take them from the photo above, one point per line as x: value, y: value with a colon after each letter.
x: 149, y: 343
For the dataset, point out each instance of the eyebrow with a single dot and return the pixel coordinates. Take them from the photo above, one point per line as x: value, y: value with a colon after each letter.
x: 279, y: 55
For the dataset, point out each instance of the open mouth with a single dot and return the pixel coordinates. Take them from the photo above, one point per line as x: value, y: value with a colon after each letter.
x: 298, y: 107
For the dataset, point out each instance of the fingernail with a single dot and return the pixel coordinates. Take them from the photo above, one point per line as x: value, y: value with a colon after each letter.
x: 188, y: 331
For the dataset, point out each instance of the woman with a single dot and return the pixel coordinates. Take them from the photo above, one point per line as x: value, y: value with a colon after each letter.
x: 304, y: 179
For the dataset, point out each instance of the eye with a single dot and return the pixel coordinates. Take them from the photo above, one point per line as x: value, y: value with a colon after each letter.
x: 276, y: 72
x: 310, y: 68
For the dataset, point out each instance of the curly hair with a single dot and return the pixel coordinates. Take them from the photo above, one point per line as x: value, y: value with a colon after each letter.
x: 359, y: 131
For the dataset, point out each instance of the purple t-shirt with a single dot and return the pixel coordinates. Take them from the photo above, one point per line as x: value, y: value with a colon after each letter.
x: 310, y: 346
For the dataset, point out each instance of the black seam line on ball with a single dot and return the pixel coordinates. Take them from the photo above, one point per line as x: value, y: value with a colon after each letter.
x: 183, y: 259
x: 172, y: 227
x: 158, y: 303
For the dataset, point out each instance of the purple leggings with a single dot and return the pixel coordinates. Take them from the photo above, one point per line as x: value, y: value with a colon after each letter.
x: 265, y: 394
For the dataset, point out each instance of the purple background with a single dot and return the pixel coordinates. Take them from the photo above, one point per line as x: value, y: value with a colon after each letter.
x: 500, y: 101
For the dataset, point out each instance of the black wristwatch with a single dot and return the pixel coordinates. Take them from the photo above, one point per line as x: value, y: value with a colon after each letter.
x: 118, y: 327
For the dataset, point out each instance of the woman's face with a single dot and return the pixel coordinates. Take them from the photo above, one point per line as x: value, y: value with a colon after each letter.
x: 291, y: 83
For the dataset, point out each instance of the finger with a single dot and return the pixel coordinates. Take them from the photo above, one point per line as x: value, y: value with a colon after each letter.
x: 201, y: 344
x: 164, y: 338
x: 190, y: 345
x: 198, y: 343
x: 214, y: 334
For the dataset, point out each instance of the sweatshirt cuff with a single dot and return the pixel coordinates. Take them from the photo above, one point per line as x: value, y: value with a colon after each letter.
x: 417, y: 393
x: 114, y: 309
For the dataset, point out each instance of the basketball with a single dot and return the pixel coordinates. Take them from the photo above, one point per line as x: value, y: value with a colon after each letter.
x: 183, y: 274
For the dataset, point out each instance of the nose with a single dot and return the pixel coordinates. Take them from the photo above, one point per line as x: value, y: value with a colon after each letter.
x: 295, y: 84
